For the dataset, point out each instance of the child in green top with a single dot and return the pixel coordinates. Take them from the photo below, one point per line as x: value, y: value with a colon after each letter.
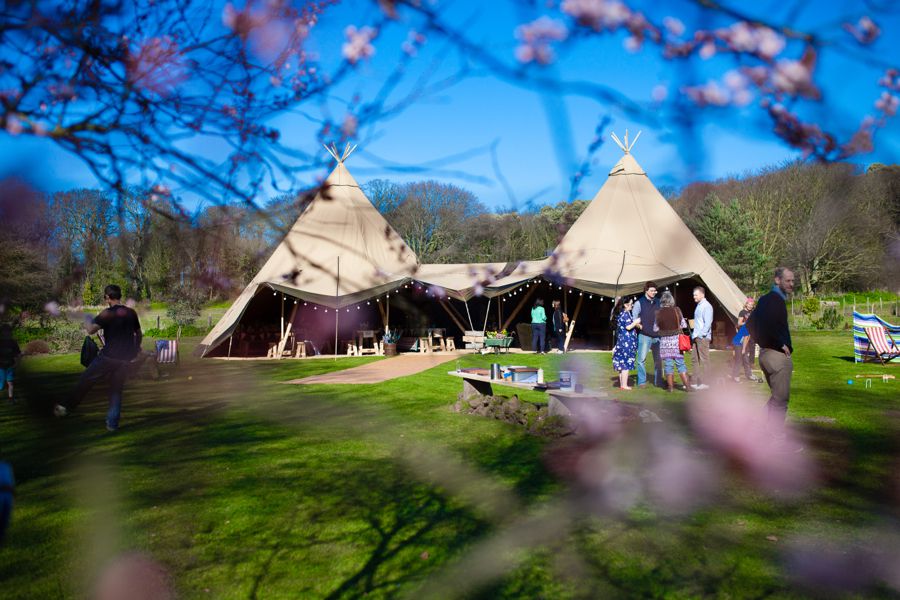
x: 538, y: 326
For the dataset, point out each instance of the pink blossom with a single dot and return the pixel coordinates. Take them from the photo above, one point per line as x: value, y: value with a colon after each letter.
x: 736, y: 426
x: 865, y: 31
x: 358, y: 45
x: 890, y: 80
x: 414, y: 41
x: 52, y: 308
x: 13, y: 125
x: 157, y: 66
x: 888, y: 104
x: 752, y: 39
x: 710, y: 94
x: 673, y: 26
x: 794, y: 77
x: 349, y: 126
x: 770, y: 43
x: 707, y: 50
x: 659, y: 93
x: 597, y: 14
x: 632, y: 43
x: 536, y: 37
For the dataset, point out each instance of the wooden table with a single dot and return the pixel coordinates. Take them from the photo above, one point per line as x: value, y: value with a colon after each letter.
x: 367, y: 334
x: 426, y: 343
x: 482, y: 384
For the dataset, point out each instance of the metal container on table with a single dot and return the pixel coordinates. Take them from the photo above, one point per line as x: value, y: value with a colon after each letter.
x: 496, y: 372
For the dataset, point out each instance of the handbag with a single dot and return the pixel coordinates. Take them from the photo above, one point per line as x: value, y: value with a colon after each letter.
x: 89, y: 351
x: 684, y: 340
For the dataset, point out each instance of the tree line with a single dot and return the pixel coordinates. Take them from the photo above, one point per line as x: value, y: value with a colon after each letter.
x: 837, y: 226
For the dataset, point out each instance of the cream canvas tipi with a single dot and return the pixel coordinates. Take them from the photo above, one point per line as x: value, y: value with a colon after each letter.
x: 629, y: 234
x: 340, y: 251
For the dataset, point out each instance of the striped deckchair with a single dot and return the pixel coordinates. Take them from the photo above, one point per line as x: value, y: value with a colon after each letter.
x: 166, y: 352
x: 867, y: 325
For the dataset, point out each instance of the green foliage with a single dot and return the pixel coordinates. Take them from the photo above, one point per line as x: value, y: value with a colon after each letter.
x: 731, y: 238
x: 184, y: 306
x: 170, y: 332
x: 810, y: 306
x: 830, y: 319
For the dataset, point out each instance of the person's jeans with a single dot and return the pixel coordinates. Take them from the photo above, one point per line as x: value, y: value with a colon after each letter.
x: 103, y: 368
x: 671, y: 364
x: 538, y: 336
x: 647, y: 344
x: 561, y: 340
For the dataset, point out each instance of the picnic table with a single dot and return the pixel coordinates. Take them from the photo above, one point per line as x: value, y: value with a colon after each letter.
x: 476, y: 383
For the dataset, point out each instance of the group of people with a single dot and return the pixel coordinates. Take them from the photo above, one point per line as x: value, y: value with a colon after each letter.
x: 656, y: 326
x: 559, y: 322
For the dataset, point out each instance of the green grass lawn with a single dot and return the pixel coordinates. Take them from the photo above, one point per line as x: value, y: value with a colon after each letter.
x: 244, y: 487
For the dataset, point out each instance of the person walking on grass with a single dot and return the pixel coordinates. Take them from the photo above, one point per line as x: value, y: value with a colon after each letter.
x: 744, y: 346
x: 626, y: 340
x: 668, y: 325
x: 701, y: 337
x: 645, y: 310
x: 122, y: 343
x: 560, y: 320
x: 538, y: 326
x: 9, y: 356
x: 768, y: 325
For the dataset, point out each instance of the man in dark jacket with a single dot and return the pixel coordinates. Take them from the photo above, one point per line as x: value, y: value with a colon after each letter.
x: 122, y: 343
x: 768, y: 325
x: 648, y: 341
x: 560, y: 319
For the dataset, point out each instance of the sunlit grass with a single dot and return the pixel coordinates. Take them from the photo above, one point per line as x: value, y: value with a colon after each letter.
x: 245, y: 487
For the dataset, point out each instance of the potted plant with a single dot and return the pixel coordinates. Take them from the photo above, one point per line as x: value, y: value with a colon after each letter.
x: 391, y: 337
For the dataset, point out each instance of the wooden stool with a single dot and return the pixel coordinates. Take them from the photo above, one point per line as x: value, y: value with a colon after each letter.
x: 451, y: 345
x: 425, y: 344
x: 300, y: 350
x: 351, y: 349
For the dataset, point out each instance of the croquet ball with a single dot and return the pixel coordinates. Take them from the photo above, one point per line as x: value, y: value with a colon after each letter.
x: 849, y: 382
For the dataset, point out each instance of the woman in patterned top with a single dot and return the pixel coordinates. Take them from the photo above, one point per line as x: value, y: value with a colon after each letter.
x: 626, y: 340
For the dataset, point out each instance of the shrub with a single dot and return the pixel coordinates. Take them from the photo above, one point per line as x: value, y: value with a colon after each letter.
x: 170, y: 332
x: 830, y: 319
x: 65, y: 336
x: 811, y: 306
x: 37, y: 347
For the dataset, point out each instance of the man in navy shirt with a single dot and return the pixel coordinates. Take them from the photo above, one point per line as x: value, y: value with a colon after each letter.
x: 122, y: 343
x: 648, y: 341
x: 768, y: 325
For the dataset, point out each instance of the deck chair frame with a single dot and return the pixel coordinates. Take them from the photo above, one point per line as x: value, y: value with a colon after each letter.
x: 886, y: 353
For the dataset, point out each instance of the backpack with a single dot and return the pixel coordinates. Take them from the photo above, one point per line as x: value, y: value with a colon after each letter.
x: 89, y: 351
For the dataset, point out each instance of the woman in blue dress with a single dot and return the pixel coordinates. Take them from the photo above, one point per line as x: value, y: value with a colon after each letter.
x: 626, y: 340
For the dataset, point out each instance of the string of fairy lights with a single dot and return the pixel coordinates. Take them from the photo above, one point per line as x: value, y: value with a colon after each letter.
x: 438, y: 292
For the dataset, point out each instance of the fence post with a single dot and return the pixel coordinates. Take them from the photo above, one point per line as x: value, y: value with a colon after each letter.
x: 157, y: 322
x: 209, y: 321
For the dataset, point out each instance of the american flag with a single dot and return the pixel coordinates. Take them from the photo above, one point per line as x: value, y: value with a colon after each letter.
x: 166, y: 351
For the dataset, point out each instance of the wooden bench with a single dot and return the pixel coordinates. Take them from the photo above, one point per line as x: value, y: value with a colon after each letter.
x: 475, y: 338
x: 483, y: 385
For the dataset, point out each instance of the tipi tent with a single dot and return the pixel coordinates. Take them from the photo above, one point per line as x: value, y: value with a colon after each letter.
x: 629, y: 234
x: 340, y: 251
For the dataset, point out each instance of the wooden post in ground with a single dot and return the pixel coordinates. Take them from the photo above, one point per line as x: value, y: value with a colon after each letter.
x: 515, y: 311
x: 499, y: 312
x: 572, y: 322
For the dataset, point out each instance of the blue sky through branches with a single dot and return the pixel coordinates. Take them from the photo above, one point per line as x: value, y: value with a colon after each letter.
x: 514, y: 145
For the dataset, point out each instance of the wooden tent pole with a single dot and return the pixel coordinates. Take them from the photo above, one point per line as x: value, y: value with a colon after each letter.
x: 457, y: 320
x: 515, y: 312
x: 486, y: 313
x: 383, y: 316
x: 572, y: 322
x: 287, y: 330
x: 337, y: 310
x: 499, y: 312
x: 282, y: 314
x: 388, y: 317
x: 468, y: 314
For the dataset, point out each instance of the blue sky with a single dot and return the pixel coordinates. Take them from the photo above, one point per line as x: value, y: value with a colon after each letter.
x: 540, y: 138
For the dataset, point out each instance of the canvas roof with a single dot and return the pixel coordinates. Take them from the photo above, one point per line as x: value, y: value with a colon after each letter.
x: 339, y: 222
x: 465, y: 280
x: 630, y: 234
